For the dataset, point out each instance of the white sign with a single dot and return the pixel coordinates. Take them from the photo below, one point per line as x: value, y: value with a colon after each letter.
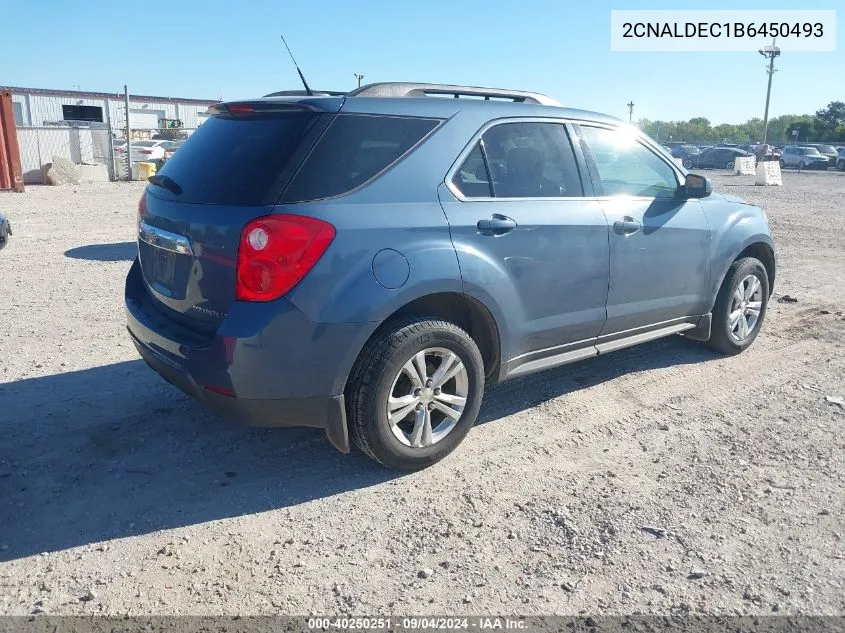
x: 768, y: 173
x: 722, y: 30
x: 745, y: 166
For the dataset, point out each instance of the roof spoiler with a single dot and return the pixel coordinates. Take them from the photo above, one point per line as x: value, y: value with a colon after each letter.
x: 406, y: 89
x: 303, y: 93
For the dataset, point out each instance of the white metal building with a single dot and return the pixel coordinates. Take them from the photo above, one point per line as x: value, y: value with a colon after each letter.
x: 37, y: 107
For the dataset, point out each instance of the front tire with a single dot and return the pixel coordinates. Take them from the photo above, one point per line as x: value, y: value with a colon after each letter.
x: 687, y: 163
x: 740, y: 306
x: 415, y: 392
x: 782, y: 164
x: 730, y: 166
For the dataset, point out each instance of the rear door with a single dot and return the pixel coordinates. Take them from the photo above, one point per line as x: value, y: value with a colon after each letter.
x: 525, y: 234
x: 659, y: 243
x: 230, y: 171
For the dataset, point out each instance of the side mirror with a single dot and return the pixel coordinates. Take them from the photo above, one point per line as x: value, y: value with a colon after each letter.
x: 697, y: 186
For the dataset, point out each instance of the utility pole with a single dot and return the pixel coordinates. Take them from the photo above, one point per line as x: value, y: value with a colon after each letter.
x: 359, y: 77
x: 630, y: 111
x: 769, y: 52
x: 128, y: 134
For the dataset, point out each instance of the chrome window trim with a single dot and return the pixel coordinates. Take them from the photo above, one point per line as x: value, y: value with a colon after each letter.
x: 648, y: 143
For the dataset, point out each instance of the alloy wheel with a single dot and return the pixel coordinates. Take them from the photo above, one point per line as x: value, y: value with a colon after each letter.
x: 427, y: 397
x: 746, y: 304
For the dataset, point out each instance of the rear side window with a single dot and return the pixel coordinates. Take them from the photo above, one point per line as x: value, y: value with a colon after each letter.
x: 355, y: 149
x: 237, y: 161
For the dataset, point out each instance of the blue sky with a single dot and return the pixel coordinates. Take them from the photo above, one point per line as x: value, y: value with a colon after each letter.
x: 559, y: 47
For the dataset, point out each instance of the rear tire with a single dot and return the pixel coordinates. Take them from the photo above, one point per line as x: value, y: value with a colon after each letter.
x: 398, y: 414
x: 840, y: 165
x: 687, y: 163
x: 730, y: 165
x: 735, y: 324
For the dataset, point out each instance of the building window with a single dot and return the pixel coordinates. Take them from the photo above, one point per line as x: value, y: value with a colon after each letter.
x: 17, y: 108
x: 82, y: 113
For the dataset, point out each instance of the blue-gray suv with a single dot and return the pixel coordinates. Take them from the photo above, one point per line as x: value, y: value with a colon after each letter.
x: 365, y: 263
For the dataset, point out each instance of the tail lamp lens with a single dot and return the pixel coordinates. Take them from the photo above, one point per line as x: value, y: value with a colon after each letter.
x: 276, y: 252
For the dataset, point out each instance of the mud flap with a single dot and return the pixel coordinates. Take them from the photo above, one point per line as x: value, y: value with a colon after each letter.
x: 336, y: 430
x: 700, y: 332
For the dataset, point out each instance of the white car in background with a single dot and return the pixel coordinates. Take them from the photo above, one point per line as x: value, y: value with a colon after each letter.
x: 149, y: 151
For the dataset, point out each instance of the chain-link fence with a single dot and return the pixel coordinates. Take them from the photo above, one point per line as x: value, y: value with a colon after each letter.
x: 81, y: 145
x: 95, y: 145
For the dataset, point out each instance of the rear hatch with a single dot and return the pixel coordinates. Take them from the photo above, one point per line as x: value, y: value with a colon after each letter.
x: 230, y: 171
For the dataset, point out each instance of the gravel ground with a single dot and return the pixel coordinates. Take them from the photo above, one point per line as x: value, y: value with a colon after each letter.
x: 660, y: 479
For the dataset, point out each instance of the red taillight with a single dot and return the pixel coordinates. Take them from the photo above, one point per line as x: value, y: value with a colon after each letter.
x: 276, y: 252
x: 145, y: 151
x: 142, y: 207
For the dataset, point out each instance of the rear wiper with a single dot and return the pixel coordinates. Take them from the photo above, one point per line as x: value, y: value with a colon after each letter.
x: 165, y: 182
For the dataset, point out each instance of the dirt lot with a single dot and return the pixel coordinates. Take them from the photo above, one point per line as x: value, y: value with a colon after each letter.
x: 661, y: 479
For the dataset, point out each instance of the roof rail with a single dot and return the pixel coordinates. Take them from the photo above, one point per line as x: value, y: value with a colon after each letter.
x: 406, y: 89
x: 303, y: 93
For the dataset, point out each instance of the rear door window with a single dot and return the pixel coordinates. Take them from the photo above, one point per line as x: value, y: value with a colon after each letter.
x: 531, y: 160
x: 354, y: 150
x: 472, y: 179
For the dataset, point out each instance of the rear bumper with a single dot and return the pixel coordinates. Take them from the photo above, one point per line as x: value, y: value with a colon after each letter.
x: 327, y: 413
x: 248, y: 370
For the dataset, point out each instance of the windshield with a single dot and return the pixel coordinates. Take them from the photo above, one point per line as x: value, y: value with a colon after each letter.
x: 811, y: 151
x: 826, y: 149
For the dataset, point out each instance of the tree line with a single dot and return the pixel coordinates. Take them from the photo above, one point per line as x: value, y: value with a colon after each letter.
x: 826, y: 125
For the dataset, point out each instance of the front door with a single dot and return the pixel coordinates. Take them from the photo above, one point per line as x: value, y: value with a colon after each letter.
x: 659, y: 242
x: 527, y: 240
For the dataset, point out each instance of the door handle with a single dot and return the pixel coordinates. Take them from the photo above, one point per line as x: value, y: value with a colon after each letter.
x: 496, y: 225
x: 626, y: 226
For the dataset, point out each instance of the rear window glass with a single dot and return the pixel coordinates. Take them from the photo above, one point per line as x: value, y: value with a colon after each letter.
x: 237, y: 161
x: 354, y: 149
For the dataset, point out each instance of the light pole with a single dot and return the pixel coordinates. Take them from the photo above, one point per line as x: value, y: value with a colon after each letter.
x: 770, y: 52
x: 630, y: 111
x: 359, y: 77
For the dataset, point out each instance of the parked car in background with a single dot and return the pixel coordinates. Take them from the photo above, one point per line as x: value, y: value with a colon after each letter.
x: 717, y: 157
x: 5, y: 230
x: 682, y: 151
x: 149, y: 151
x: 826, y: 150
x: 169, y: 151
x: 365, y: 264
x: 803, y: 157
x: 840, y: 159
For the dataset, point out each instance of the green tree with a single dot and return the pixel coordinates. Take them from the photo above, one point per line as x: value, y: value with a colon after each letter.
x: 828, y: 119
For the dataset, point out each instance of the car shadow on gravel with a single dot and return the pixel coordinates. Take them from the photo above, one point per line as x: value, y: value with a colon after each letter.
x: 117, y: 252
x: 113, y: 451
